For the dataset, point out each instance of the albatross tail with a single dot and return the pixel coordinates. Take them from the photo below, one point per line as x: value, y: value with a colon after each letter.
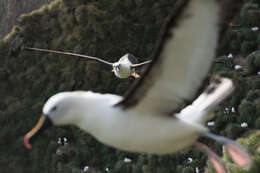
x: 199, y: 112
x: 201, y: 109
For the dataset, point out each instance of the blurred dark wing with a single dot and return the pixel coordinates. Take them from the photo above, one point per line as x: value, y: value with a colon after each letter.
x: 134, y: 61
x: 183, y: 56
x: 84, y: 57
x: 131, y: 58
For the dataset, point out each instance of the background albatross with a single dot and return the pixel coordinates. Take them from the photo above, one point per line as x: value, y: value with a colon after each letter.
x: 123, y: 68
x: 148, y: 118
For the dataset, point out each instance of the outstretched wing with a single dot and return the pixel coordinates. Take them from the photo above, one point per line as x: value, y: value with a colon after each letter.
x: 183, y: 56
x: 84, y: 57
x: 141, y: 64
x: 133, y: 60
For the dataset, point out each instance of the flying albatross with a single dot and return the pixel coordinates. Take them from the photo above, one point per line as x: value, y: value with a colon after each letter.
x: 123, y: 68
x: 162, y: 112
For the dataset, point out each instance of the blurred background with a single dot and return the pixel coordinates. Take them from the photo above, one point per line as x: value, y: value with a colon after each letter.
x: 109, y: 29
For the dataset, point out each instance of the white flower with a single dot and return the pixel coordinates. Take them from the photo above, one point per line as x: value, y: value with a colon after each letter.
x: 65, y: 141
x: 211, y: 123
x: 197, y: 170
x: 254, y: 28
x: 59, y: 141
x: 230, y: 55
x: 244, y: 124
x: 107, y: 169
x: 226, y: 110
x: 237, y: 67
x: 258, y: 73
x: 59, y: 152
x: 190, y: 160
x: 86, y: 168
x: 127, y: 160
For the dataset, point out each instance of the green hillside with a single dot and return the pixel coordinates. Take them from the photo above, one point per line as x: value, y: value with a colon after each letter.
x: 109, y: 29
x: 11, y: 10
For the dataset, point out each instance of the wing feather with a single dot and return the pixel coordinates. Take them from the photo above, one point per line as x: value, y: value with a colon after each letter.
x: 183, y: 56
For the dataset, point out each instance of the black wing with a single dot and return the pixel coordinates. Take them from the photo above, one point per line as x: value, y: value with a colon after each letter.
x: 131, y: 58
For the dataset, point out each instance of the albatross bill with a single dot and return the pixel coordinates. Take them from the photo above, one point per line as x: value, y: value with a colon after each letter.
x: 42, y: 124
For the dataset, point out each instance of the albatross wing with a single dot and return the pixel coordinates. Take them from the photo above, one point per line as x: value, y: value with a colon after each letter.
x: 182, y: 60
x: 84, y: 57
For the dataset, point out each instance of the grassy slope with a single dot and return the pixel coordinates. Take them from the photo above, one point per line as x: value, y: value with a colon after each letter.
x: 107, y: 29
x: 10, y: 10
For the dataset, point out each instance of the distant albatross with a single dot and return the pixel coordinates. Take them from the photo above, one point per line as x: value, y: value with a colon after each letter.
x: 123, y: 68
x: 148, y: 118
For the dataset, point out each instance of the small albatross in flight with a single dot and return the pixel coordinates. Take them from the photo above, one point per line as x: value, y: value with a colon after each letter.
x: 148, y: 118
x: 123, y: 68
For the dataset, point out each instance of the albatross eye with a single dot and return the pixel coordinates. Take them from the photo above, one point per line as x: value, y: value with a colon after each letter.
x: 54, y: 108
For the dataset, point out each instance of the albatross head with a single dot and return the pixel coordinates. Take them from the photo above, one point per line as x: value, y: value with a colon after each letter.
x: 60, y: 109
x: 63, y: 108
x: 116, y: 67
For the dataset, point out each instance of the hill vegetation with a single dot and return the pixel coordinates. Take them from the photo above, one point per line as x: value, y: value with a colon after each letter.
x: 109, y: 29
x: 11, y: 10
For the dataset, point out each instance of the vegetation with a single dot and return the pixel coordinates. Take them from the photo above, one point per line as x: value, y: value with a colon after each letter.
x: 109, y: 29
x: 10, y: 10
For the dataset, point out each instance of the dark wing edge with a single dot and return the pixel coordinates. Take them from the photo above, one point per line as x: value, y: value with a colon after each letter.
x: 229, y: 10
x: 132, y: 58
x: 133, y: 93
x: 84, y: 57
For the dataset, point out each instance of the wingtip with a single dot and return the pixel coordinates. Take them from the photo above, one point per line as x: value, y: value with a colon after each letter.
x: 216, y: 92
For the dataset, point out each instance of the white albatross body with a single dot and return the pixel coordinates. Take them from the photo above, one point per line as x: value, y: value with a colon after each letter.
x: 122, y: 68
x: 126, y: 130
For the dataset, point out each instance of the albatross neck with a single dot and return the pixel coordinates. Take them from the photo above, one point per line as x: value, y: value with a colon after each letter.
x: 94, y: 106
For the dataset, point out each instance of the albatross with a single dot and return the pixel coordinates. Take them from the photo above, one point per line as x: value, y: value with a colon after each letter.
x: 122, y: 69
x: 164, y: 111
